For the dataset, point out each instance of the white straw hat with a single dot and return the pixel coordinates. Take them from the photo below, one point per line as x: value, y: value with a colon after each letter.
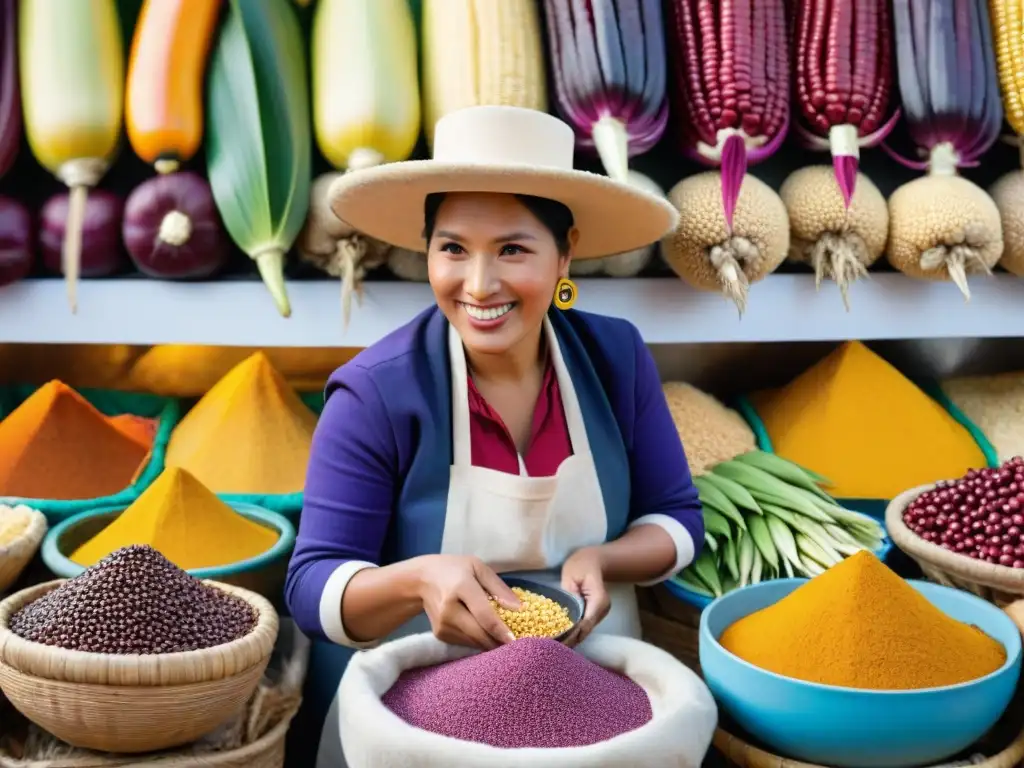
x: 501, y: 149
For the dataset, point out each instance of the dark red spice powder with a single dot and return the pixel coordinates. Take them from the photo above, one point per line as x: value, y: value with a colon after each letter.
x: 534, y: 692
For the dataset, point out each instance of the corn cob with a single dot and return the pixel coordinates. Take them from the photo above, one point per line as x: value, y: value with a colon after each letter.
x: 259, y: 146
x: 10, y: 95
x: 731, y: 64
x: 481, y: 53
x: 166, y: 68
x: 941, y: 226
x: 366, y: 111
x: 72, y: 86
x: 1008, y: 191
x: 608, y: 60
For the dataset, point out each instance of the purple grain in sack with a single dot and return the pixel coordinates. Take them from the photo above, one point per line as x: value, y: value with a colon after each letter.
x: 534, y: 692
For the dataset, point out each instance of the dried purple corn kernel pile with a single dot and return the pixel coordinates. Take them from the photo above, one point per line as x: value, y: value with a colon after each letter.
x: 534, y: 692
x: 134, y: 601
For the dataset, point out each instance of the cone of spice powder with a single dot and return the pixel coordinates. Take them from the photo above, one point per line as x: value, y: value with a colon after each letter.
x: 56, y: 445
x: 185, y: 522
x: 859, y: 625
x: 858, y: 421
x: 250, y: 434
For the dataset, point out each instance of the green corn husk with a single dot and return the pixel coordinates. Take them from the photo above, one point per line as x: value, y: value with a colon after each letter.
x: 259, y: 135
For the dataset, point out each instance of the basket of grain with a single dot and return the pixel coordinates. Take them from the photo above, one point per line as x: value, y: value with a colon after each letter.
x: 966, y: 533
x: 21, y: 531
x: 134, y: 655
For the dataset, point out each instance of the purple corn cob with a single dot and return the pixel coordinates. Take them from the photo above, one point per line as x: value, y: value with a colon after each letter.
x: 10, y: 93
x: 608, y: 59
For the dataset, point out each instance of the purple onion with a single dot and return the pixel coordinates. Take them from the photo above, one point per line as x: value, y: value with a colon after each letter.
x: 16, y: 247
x: 10, y: 92
x: 102, y: 255
x: 609, y: 73
x: 948, y: 80
x: 172, y: 229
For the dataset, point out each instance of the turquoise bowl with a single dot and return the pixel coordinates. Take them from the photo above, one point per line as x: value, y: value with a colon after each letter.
x: 263, y: 574
x: 850, y: 728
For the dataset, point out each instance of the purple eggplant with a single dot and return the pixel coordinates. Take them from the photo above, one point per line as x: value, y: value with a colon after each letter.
x: 10, y: 90
x: 172, y: 229
x: 16, y: 246
x: 102, y: 255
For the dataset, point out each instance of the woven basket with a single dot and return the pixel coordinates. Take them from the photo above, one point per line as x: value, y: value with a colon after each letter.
x: 19, y: 553
x: 671, y: 625
x: 743, y: 755
x: 131, y: 704
x: 996, y: 583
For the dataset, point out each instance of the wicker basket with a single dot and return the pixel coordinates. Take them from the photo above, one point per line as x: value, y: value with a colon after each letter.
x: 19, y: 553
x: 743, y: 755
x: 671, y: 625
x: 132, y: 704
x: 996, y: 583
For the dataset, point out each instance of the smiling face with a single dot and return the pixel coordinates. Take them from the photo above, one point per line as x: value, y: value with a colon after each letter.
x: 494, y: 266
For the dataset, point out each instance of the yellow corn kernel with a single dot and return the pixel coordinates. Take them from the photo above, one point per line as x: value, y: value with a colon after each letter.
x: 539, y: 616
x: 481, y: 53
x: 1007, y: 19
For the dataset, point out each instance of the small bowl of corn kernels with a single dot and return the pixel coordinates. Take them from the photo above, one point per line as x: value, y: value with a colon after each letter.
x: 546, y: 611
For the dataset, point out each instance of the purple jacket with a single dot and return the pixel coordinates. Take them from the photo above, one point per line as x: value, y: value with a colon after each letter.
x: 376, y: 488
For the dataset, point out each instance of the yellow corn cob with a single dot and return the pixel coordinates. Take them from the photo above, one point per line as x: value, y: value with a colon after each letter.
x: 366, y: 98
x: 1008, y: 29
x: 72, y: 86
x: 481, y: 52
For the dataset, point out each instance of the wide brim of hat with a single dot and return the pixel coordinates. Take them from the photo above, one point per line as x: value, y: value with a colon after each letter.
x: 386, y: 202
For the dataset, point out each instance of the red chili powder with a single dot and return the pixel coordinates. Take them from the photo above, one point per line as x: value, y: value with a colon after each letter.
x: 534, y: 692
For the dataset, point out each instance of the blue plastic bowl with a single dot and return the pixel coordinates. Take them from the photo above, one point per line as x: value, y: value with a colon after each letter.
x: 263, y: 574
x: 846, y: 727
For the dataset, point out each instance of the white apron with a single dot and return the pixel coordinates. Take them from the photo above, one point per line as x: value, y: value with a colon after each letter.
x: 515, y: 523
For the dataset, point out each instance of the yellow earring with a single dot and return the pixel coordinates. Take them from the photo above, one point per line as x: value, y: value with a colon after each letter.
x: 565, y: 293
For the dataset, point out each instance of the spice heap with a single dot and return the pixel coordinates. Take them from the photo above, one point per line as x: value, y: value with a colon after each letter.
x: 56, y: 445
x: 996, y: 406
x: 530, y: 693
x: 859, y: 625
x: 184, y: 521
x: 139, y: 428
x: 249, y: 434
x: 14, y: 521
x: 980, y: 515
x: 538, y: 616
x: 134, y: 602
x: 857, y: 420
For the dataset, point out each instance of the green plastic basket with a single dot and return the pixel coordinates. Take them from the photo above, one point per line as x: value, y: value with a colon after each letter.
x: 287, y: 504
x: 111, y: 403
x: 875, y: 507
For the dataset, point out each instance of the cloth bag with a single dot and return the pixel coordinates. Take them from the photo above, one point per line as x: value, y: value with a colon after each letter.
x: 678, y: 735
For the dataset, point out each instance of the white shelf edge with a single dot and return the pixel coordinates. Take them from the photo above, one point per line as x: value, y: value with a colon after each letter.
x: 241, y: 313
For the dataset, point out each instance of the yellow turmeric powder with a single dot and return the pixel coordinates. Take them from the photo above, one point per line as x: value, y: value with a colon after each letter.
x: 859, y: 625
x: 858, y: 421
x: 185, y: 522
x: 57, y: 445
x: 249, y: 434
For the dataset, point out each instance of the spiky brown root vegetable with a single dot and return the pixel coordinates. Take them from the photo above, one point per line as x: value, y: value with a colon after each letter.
x: 944, y: 228
x: 706, y: 255
x: 408, y: 265
x: 840, y: 244
x: 1008, y: 195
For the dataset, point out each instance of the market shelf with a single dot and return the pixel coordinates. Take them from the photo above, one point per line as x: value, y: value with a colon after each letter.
x: 782, y: 308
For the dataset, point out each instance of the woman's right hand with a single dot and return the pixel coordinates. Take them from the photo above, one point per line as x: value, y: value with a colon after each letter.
x: 454, y: 591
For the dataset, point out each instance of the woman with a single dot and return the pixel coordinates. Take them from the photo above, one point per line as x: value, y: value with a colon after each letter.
x: 493, y: 433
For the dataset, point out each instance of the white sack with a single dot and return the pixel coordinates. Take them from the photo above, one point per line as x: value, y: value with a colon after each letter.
x: 678, y: 735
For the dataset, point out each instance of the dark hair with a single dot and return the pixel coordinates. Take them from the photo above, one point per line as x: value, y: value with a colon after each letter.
x: 555, y: 216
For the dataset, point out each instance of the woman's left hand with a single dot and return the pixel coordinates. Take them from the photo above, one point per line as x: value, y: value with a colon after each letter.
x: 582, y: 574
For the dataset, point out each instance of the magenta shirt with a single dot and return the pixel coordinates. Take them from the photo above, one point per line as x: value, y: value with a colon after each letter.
x: 493, y: 446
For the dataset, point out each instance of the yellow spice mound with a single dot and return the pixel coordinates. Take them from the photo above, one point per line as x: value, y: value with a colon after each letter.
x: 249, y: 434
x: 858, y: 421
x: 859, y: 625
x: 185, y: 522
